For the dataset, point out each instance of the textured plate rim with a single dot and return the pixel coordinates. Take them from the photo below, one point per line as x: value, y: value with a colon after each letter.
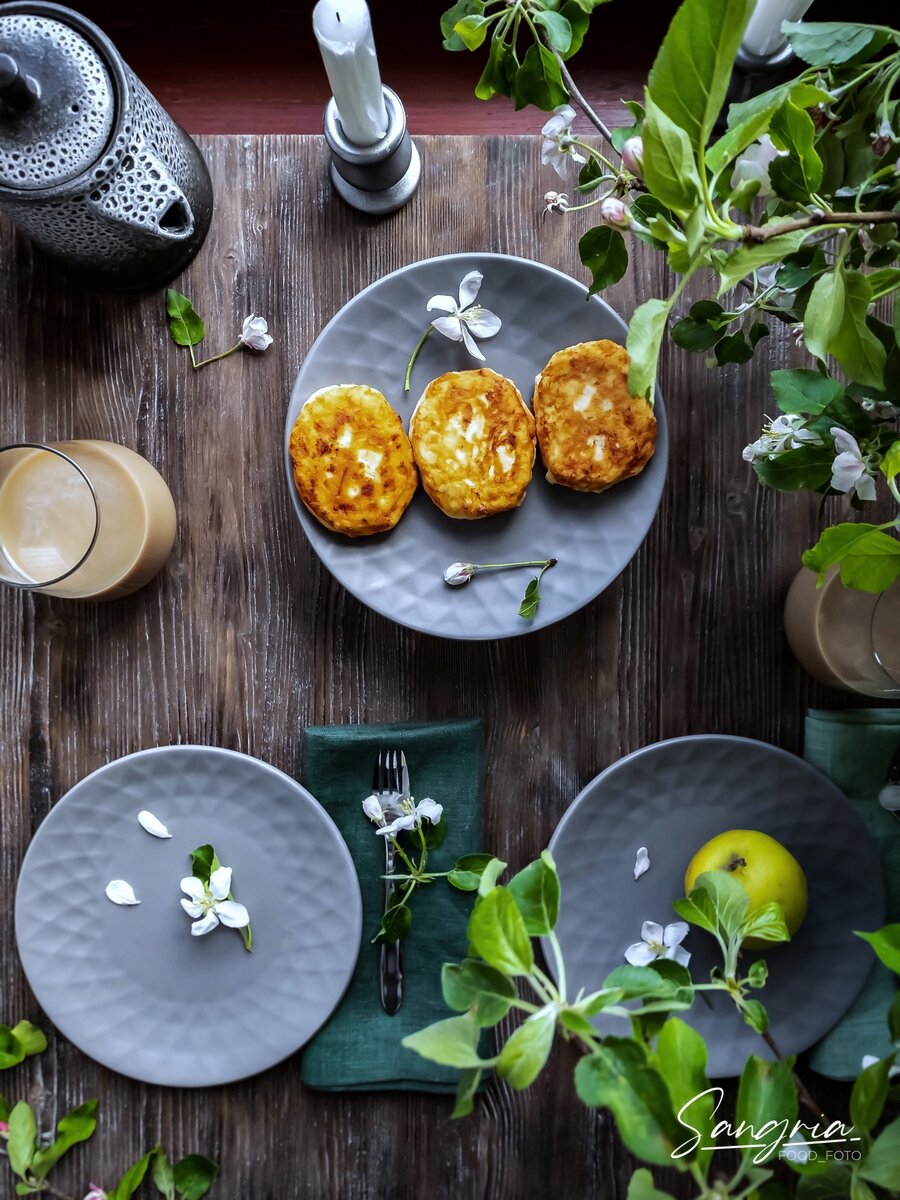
x: 731, y: 739
x: 343, y: 850
x: 301, y: 513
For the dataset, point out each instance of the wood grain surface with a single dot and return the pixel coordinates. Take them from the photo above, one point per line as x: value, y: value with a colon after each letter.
x: 244, y: 638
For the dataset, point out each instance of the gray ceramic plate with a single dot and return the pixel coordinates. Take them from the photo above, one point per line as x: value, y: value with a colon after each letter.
x: 130, y: 986
x: 400, y: 574
x: 672, y: 797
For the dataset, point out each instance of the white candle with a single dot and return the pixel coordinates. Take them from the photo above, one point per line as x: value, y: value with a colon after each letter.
x: 763, y: 35
x: 343, y: 30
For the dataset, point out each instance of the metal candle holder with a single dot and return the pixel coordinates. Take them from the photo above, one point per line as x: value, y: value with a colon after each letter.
x: 756, y: 73
x: 375, y: 179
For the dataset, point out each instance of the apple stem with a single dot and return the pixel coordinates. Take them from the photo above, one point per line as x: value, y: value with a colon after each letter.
x: 805, y: 1095
x: 737, y: 862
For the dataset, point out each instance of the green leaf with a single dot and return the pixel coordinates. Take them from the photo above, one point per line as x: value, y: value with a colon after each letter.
x: 395, y: 924
x: 469, y: 1079
x: 645, y: 333
x: 692, y: 70
x: 536, y: 892
x: 747, y: 259
x: 452, y: 1042
x: 202, y: 860
x: 497, y: 932
x: 525, y: 1054
x: 757, y: 974
x: 133, y: 1177
x: 670, y: 171
x: 490, y: 875
x: 449, y: 20
x: 681, y: 1057
x: 538, y: 80
x: 603, y: 252
x: 472, y: 30
x: 479, y: 989
x: 733, y: 349
x: 883, y: 282
x: 641, y: 1187
x: 76, y: 1126
x: 5, y: 1108
x: 579, y: 23
x: 832, y: 1184
x: 806, y: 468
x: 617, y: 1076
x: 590, y: 175
x: 695, y: 335
x: 434, y: 834
x: 163, y: 1174
x: 853, y: 344
x: 885, y: 941
x: 499, y: 71
x: 824, y: 313
x: 825, y: 43
x: 798, y: 173
x: 729, y: 899
x: 755, y: 1015
x: 21, y: 1137
x: 767, y: 923
x: 767, y: 1095
x: 890, y: 464
x: 698, y: 909
x: 893, y: 1021
x: 758, y: 330
x: 869, y: 561
x: 557, y: 29
x: 635, y: 982
x: 860, y: 1190
x: 468, y: 870
x: 185, y: 325
x: 804, y: 391
x: 881, y: 1165
x: 194, y: 1176
x: 869, y: 1095
x: 531, y: 599
x: 19, y: 1043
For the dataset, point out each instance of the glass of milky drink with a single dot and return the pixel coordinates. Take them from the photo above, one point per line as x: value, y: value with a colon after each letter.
x: 845, y: 638
x: 82, y: 519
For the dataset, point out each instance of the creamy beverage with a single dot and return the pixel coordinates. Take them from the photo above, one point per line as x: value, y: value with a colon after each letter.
x: 845, y: 638
x: 100, y: 534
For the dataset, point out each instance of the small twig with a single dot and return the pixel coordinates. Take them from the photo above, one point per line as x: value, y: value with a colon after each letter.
x: 762, y: 233
x: 576, y: 94
x: 802, y: 1091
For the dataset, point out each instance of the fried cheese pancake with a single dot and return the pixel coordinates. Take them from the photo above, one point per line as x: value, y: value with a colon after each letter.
x: 592, y: 433
x: 353, y: 464
x: 473, y: 440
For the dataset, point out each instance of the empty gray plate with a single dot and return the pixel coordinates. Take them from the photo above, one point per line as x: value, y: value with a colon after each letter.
x: 673, y: 797
x: 400, y: 574
x: 130, y: 986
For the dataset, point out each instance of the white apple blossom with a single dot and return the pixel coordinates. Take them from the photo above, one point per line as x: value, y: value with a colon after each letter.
x: 633, y: 155
x: 753, y: 163
x: 555, y: 202
x: 373, y: 809
x: 467, y: 320
x: 850, y: 471
x: 209, y: 905
x: 559, y: 144
x: 255, y: 333
x: 787, y: 432
x: 412, y: 815
x: 614, y: 212
x: 96, y: 1192
x: 657, y: 942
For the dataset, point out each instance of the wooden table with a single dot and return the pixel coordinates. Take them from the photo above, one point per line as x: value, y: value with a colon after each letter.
x: 245, y: 639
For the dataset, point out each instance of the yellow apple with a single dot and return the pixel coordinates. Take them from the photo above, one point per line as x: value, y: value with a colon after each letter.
x: 763, y: 867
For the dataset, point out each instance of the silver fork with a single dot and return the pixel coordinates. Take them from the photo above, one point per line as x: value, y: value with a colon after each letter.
x: 390, y: 784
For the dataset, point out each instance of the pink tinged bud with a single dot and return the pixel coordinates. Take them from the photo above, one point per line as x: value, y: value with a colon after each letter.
x: 633, y: 155
x: 459, y: 573
x: 4, y: 1128
x: 615, y: 212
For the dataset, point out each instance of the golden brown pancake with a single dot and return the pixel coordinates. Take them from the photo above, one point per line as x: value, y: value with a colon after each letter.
x: 592, y: 433
x: 473, y: 439
x: 353, y: 464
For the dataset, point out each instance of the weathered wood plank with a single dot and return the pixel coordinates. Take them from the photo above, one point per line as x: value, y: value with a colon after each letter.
x: 244, y: 639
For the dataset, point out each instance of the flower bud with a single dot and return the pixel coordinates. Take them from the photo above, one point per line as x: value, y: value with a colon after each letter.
x: 633, y: 155
x: 459, y: 573
x: 373, y: 810
x: 615, y: 212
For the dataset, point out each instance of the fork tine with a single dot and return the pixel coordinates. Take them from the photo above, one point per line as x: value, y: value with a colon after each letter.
x: 397, y: 781
x: 379, y: 783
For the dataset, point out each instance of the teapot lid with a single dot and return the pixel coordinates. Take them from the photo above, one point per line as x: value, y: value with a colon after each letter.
x: 57, y: 101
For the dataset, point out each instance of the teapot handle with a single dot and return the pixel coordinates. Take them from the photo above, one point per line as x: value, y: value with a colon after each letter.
x: 151, y: 200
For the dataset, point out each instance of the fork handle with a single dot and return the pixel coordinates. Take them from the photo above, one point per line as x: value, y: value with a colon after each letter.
x: 390, y: 965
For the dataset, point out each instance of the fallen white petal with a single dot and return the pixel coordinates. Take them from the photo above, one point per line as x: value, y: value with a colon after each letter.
x: 641, y: 862
x: 121, y: 892
x: 152, y: 824
x: 208, y: 923
x: 220, y: 883
x: 232, y: 914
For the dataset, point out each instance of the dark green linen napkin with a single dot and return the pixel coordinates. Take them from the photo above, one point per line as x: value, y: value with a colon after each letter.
x: 359, y: 1049
x: 854, y: 748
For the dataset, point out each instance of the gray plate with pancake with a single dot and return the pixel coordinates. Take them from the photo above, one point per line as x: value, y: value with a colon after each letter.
x: 400, y: 574
x: 673, y: 797
x: 130, y: 986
